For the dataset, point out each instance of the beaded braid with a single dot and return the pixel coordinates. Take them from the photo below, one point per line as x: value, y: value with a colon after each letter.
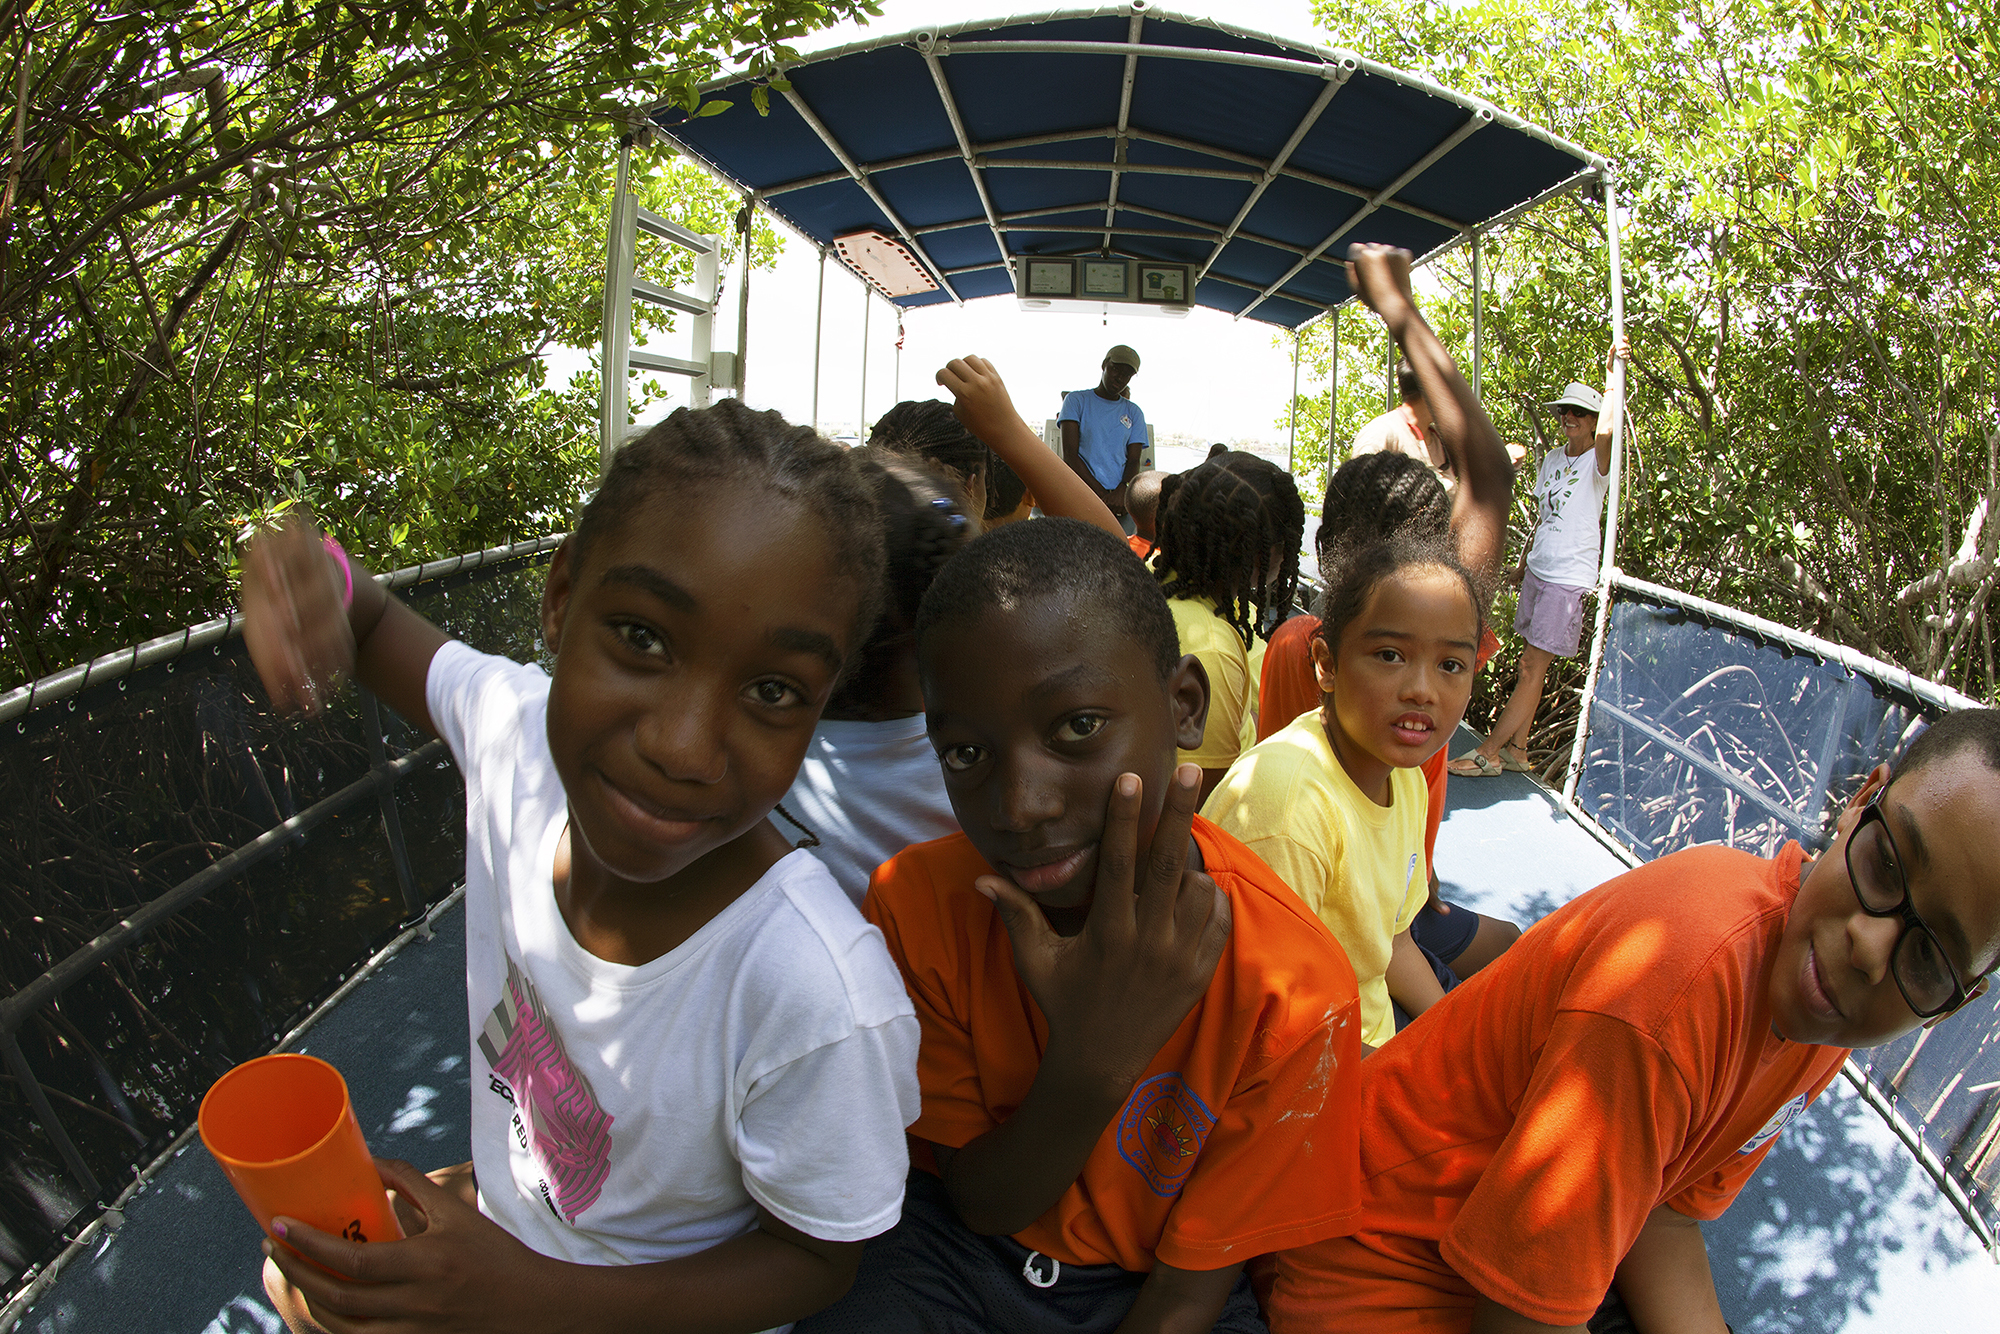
x: 928, y: 430
x: 1217, y: 527
x: 1376, y: 496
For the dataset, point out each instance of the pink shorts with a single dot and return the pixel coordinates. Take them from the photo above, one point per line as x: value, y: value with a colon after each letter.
x: 1550, y: 616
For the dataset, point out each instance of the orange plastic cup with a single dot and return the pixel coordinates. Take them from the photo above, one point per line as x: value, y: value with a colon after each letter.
x: 284, y: 1132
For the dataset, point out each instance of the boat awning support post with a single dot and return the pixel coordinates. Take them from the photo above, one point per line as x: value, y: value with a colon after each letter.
x: 819, y: 320
x: 1292, y: 441
x: 1614, y: 388
x: 1478, y: 316
x: 1333, y: 390
x: 745, y: 220
x: 617, y: 338
x: 867, y: 309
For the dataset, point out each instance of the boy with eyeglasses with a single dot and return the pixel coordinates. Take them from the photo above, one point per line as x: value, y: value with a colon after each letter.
x: 1560, y: 1123
x: 1559, y: 568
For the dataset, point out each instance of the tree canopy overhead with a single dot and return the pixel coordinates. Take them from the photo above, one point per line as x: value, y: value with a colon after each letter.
x: 254, y: 252
x: 1812, y: 208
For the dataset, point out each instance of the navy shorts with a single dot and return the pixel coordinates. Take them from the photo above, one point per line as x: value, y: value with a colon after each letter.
x: 1445, y: 934
x: 931, y: 1274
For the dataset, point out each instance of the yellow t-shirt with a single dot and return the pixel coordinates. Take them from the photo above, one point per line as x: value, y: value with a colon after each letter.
x: 1232, y: 685
x: 1355, y: 864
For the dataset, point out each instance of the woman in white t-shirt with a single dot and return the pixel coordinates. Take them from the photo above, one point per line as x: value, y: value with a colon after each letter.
x: 1560, y: 567
x: 870, y: 784
x: 693, y: 1060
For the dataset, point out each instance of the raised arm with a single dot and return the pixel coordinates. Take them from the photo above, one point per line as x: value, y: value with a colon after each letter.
x: 1380, y: 275
x: 987, y: 410
x: 303, y: 640
x: 1614, y: 402
x: 1113, y: 994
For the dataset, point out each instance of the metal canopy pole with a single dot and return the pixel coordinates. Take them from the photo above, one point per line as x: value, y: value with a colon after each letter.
x: 1478, y: 314
x: 867, y: 309
x: 745, y: 220
x: 617, y: 339
x: 1333, y: 394
x: 819, y: 316
x: 1479, y: 120
x: 1614, y: 388
x: 1392, y: 395
x: 1292, y: 441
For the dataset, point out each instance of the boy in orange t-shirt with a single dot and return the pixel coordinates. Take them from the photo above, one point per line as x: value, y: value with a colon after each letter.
x: 1139, y: 1048
x: 1561, y: 1122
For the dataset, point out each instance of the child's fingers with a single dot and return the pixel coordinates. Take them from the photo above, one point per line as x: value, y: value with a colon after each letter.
x: 1112, y: 911
x: 1160, y: 891
x: 352, y: 1292
x: 1027, y: 929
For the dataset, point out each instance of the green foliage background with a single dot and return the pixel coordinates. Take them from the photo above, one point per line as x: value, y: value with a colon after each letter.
x: 258, y: 253
x: 1814, y: 201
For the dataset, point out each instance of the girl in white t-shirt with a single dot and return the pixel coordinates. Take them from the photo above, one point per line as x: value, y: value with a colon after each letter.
x: 870, y: 784
x: 692, y: 1060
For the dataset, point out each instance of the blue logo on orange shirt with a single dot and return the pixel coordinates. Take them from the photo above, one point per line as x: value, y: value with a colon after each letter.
x: 1161, y: 1132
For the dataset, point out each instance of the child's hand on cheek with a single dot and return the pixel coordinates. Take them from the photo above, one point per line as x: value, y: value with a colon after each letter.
x: 1116, y: 991
x: 460, y: 1272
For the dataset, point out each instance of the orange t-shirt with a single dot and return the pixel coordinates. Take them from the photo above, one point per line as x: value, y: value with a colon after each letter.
x: 1142, y: 547
x: 1515, y: 1137
x: 1240, y: 1137
x: 1288, y: 687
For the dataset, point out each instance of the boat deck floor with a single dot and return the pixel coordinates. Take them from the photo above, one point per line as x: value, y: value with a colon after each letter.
x: 1841, y: 1232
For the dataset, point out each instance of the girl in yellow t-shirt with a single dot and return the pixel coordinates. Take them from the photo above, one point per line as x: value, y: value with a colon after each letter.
x: 1228, y: 559
x: 1333, y: 802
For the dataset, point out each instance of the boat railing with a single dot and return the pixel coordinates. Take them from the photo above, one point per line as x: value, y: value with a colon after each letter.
x: 160, y: 927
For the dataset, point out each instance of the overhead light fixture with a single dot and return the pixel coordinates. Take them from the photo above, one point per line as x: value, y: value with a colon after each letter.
x: 885, y: 263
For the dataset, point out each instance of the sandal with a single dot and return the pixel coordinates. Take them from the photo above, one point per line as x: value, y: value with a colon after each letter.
x: 1474, y: 764
x: 1523, y: 765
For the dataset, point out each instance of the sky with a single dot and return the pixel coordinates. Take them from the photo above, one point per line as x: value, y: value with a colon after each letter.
x: 1206, y: 375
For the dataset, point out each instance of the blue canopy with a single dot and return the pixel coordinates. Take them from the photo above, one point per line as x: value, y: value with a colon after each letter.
x: 1131, y: 132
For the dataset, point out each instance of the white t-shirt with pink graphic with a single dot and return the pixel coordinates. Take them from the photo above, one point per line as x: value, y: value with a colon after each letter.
x: 627, y: 1114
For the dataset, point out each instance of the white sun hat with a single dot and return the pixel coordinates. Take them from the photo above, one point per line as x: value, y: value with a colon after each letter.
x: 1579, y: 395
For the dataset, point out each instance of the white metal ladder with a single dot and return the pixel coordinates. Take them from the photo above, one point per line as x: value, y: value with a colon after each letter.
x: 705, y: 369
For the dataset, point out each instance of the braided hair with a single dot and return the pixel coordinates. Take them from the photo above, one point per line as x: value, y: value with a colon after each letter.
x: 1373, y: 497
x: 923, y: 525
x: 1218, y: 526
x: 929, y: 431
x: 732, y: 444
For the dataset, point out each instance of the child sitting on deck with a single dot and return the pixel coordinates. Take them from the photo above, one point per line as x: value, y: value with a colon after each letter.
x: 1138, y: 1047
x: 1334, y: 803
x: 1142, y: 502
x: 692, y: 1060
x: 1228, y: 559
x: 1383, y: 494
x: 869, y: 786
x: 1560, y: 1123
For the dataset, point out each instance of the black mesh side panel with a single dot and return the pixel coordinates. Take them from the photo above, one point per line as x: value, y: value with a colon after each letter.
x: 119, y: 793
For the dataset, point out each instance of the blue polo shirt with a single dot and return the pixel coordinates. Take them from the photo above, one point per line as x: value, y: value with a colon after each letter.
x: 1104, y: 427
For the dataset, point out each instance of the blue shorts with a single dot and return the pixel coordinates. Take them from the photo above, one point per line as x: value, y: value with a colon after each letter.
x: 1445, y: 934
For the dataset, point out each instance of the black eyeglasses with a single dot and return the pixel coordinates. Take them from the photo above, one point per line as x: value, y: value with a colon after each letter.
x: 1923, y: 973
x: 1567, y: 411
